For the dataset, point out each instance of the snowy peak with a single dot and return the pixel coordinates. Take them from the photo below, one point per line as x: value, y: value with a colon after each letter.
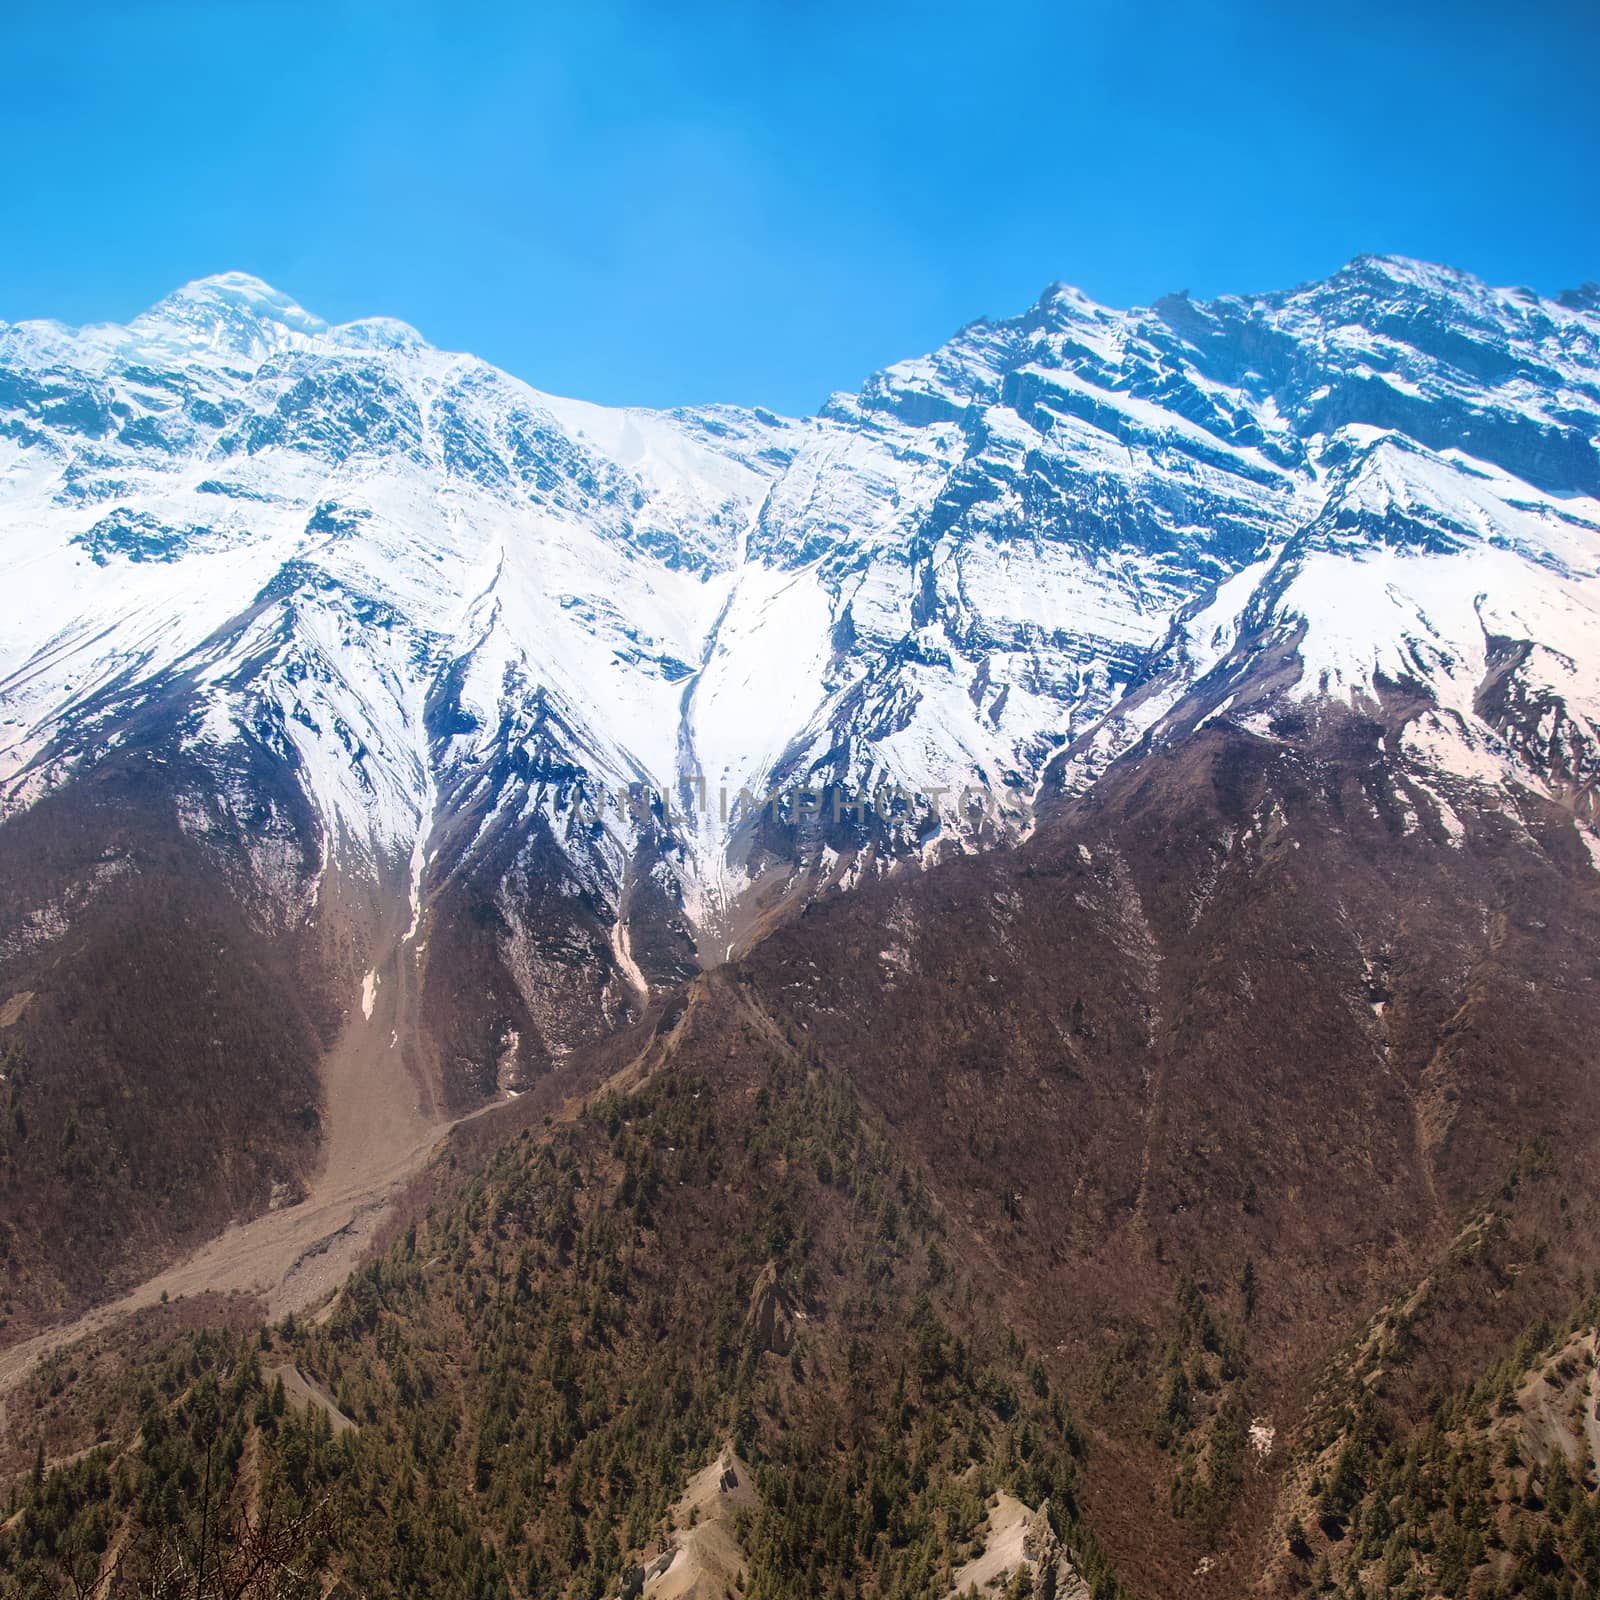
x: 230, y: 313
x: 235, y: 314
x: 229, y: 318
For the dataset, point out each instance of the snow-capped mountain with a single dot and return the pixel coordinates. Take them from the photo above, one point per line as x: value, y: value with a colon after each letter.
x: 463, y: 615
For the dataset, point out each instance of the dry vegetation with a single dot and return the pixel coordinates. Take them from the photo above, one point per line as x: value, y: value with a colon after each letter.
x: 1202, y: 1165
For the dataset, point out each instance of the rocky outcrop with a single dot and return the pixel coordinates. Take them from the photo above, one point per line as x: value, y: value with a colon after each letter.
x: 773, y: 1314
x: 1041, y: 1546
x: 1021, y: 1541
x: 702, y: 1559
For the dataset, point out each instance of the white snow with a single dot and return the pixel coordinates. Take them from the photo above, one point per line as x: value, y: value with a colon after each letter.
x: 1590, y: 842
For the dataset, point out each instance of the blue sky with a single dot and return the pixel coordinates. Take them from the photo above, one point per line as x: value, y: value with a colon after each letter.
x: 672, y: 202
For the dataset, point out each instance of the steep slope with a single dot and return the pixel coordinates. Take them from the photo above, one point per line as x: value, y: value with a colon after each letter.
x: 1117, y: 1166
x: 1494, y: 1491
x: 536, y: 1368
x: 1220, y: 1062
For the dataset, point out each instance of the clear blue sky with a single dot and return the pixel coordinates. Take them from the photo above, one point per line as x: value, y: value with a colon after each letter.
x: 762, y: 202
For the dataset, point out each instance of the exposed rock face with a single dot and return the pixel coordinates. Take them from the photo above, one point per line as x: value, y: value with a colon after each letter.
x: 1039, y: 1536
x: 771, y: 1322
x: 1041, y: 1546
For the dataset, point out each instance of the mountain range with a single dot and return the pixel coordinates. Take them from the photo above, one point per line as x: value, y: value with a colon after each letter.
x: 1149, y: 756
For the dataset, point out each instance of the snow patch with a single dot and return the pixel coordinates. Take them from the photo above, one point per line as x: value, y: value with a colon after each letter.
x: 1591, y: 843
x: 622, y: 953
